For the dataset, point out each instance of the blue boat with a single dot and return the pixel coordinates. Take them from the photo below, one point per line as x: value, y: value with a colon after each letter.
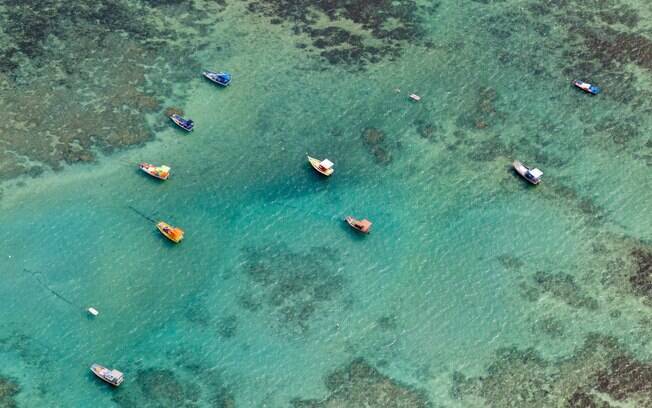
x: 220, y: 78
x: 587, y: 87
x: 185, y: 124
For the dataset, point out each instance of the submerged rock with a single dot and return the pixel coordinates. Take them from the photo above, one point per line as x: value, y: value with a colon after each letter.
x: 361, y: 385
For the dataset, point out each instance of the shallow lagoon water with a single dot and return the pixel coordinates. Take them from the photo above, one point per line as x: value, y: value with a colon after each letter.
x: 270, y: 293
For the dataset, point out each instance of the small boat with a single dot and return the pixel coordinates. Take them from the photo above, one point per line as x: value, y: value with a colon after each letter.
x: 92, y: 311
x: 587, y: 87
x: 363, y: 225
x: 174, y: 234
x: 185, y: 124
x: 414, y: 97
x: 531, y: 175
x: 324, y: 167
x: 220, y: 78
x: 160, y: 172
x: 113, y: 377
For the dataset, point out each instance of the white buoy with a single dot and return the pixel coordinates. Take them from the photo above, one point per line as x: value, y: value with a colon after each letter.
x: 93, y: 311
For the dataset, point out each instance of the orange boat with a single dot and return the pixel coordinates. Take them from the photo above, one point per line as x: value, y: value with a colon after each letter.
x: 324, y: 167
x: 160, y: 172
x: 174, y: 234
x: 360, y: 225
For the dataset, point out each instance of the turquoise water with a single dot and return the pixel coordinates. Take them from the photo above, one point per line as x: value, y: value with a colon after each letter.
x: 270, y: 293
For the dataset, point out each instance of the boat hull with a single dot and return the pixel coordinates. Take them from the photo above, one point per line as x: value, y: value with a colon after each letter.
x: 523, y: 171
x: 154, y: 171
x: 586, y: 87
x: 173, y: 234
x: 179, y: 122
x: 100, y: 372
x: 363, y: 226
x: 214, y: 77
x: 315, y: 163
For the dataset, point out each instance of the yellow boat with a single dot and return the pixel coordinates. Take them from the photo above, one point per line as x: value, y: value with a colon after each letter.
x: 324, y: 167
x: 174, y: 234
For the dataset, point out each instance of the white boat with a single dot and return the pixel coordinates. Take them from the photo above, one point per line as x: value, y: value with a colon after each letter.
x: 92, y: 311
x: 324, y: 167
x: 113, y: 377
x: 531, y: 175
x: 414, y: 97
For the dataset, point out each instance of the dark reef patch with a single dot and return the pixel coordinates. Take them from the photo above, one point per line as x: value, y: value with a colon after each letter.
x: 361, y: 385
x: 380, y: 28
x: 563, y: 287
x: 293, y: 286
x: 550, y: 326
x: 9, y: 388
x: 641, y: 278
x: 484, y: 112
x: 227, y: 327
x: 522, y: 378
x: 190, y: 386
x: 376, y: 143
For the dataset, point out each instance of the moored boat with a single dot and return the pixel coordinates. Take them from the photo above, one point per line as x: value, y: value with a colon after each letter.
x: 174, y: 234
x: 220, y: 78
x: 531, y: 175
x: 185, y: 124
x: 363, y: 225
x: 113, y: 377
x: 324, y: 167
x: 160, y: 172
x: 414, y: 97
x: 587, y: 87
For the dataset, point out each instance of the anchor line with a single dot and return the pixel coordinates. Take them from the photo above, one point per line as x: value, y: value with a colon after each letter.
x: 49, y: 289
x: 142, y: 214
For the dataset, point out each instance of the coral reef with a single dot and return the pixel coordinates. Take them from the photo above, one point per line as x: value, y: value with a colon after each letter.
x: 81, y: 106
x: 563, y: 287
x: 8, y: 390
x: 293, y: 285
x: 599, y: 370
x: 641, y: 278
x: 361, y: 385
x: 349, y: 33
x: 161, y: 387
x: 227, y: 327
x: 376, y: 143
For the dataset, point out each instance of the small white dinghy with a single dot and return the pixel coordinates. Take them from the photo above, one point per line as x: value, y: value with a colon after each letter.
x: 414, y: 97
x: 113, y: 377
x: 92, y: 311
x: 531, y: 175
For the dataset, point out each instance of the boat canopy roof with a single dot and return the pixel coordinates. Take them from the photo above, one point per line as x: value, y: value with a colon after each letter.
x: 365, y: 223
x: 536, y: 173
x: 327, y: 164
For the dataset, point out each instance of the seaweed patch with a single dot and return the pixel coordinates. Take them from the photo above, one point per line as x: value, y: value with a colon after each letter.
x: 361, y: 385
